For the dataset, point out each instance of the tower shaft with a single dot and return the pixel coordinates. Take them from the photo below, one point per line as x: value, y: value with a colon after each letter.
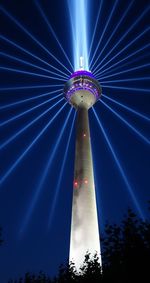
x: 84, y: 226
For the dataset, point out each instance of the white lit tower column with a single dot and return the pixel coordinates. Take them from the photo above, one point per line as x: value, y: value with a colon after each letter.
x: 82, y: 91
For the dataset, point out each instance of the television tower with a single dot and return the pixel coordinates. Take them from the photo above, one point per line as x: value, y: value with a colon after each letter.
x: 82, y: 91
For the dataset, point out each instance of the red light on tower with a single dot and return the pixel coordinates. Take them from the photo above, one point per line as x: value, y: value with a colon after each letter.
x: 75, y: 184
x: 86, y: 181
x: 84, y: 135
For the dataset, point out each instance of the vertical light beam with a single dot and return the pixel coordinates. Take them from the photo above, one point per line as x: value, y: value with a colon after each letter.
x: 79, y: 25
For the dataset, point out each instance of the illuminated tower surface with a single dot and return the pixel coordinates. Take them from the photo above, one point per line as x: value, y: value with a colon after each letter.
x: 82, y: 91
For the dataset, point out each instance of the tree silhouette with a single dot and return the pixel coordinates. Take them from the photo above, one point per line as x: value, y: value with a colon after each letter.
x: 126, y: 250
x: 90, y: 271
x: 125, y: 257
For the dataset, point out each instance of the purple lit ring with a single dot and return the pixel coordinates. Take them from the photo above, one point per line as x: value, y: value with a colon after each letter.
x: 81, y: 73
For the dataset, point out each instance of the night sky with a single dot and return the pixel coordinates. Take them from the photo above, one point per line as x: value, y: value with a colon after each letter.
x: 35, y: 203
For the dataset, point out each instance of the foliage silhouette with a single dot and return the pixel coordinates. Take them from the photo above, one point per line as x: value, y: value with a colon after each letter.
x: 126, y: 250
x: 125, y: 257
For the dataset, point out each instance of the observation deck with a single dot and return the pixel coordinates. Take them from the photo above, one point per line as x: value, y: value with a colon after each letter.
x: 82, y: 89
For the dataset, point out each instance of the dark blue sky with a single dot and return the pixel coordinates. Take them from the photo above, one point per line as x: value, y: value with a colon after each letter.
x: 42, y: 242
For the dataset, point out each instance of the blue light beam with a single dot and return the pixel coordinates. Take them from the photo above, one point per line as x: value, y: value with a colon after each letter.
x: 127, y: 123
x: 122, y: 49
x: 14, y: 20
x: 44, y: 175
x: 28, y: 99
x: 126, y: 58
x: 19, y: 159
x: 57, y: 190
x: 127, y: 80
x: 127, y: 108
x: 125, y: 71
x: 104, y: 30
x: 115, y: 29
x: 14, y: 44
x: 135, y: 202
x: 30, y: 64
x: 28, y: 111
x: 51, y: 30
x: 95, y: 28
x: 134, y: 60
x: 29, y: 87
x: 30, y: 124
x: 3, y: 68
x: 127, y: 88
x: 130, y: 43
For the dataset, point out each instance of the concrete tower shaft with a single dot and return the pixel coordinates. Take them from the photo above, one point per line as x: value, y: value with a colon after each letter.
x: 84, y: 226
x: 82, y: 91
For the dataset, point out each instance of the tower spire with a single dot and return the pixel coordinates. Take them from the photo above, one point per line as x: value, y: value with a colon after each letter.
x: 81, y: 63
